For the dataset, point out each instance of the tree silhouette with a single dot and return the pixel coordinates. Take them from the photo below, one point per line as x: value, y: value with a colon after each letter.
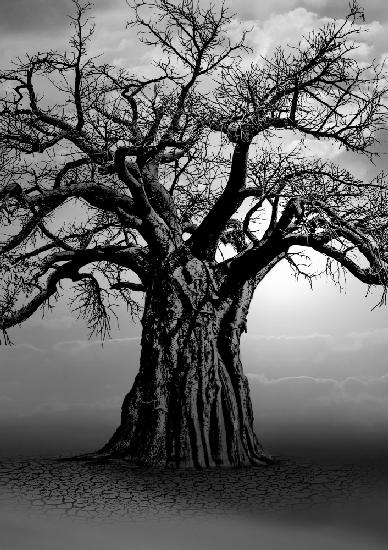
x: 178, y: 186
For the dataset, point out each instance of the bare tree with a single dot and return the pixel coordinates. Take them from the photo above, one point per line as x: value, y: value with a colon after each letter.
x: 158, y: 177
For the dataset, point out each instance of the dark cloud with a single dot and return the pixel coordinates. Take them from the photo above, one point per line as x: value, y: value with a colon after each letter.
x: 28, y: 26
x: 44, y: 16
x: 36, y: 16
x: 32, y: 16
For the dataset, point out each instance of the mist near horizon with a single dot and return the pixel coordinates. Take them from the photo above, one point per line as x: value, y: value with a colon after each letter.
x: 316, y: 393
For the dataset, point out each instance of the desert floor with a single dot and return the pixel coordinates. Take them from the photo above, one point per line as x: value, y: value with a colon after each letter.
x: 49, y: 504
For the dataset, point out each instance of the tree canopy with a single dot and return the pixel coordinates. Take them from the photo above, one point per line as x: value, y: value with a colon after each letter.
x: 105, y: 173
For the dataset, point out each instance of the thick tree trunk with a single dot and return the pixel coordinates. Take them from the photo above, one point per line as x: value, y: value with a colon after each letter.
x: 190, y: 404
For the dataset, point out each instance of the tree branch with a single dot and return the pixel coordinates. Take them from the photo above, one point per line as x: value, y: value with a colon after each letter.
x: 204, y: 240
x: 129, y: 285
x: 376, y: 274
x: 154, y: 228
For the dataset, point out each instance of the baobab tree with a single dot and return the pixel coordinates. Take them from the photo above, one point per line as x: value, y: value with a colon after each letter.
x: 180, y: 185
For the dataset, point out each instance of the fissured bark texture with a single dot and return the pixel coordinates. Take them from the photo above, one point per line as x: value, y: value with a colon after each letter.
x: 190, y: 404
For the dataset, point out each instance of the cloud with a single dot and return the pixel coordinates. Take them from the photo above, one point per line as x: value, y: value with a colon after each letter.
x: 314, y: 148
x: 74, y: 372
x: 283, y: 29
x: 24, y: 16
x: 351, y: 404
x: 40, y: 25
x: 322, y: 417
x: 108, y: 403
x: 53, y: 323
x: 76, y: 388
x: 67, y: 376
x: 323, y: 428
x: 21, y: 348
x: 352, y: 387
x: 374, y: 9
x: 340, y: 356
x: 46, y: 16
x: 284, y: 24
x: 77, y: 346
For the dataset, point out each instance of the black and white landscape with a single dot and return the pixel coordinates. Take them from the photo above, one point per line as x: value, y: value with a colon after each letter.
x: 221, y: 176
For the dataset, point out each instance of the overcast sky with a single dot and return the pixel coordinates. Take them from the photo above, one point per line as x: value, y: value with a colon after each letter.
x: 316, y: 359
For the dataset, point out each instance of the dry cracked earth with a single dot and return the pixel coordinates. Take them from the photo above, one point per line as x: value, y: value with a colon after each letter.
x: 46, y: 503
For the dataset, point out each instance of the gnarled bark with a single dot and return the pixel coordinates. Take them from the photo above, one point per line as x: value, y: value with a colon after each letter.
x: 190, y: 403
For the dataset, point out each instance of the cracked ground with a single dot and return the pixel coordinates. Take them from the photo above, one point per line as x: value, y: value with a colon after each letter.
x: 46, y: 500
